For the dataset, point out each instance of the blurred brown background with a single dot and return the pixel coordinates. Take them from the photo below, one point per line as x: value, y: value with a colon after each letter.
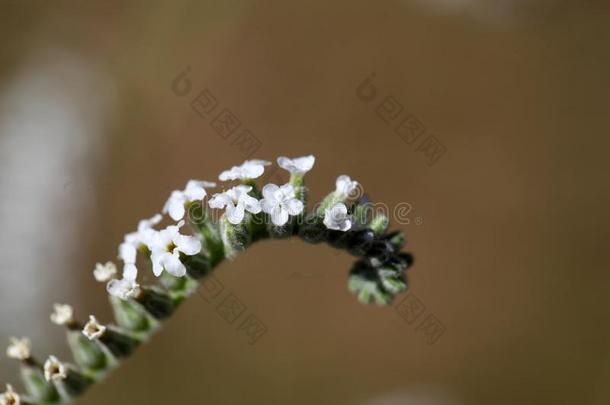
x: 508, y: 227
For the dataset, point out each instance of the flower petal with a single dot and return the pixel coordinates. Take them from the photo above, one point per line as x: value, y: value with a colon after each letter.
x: 130, y: 272
x: 127, y: 253
x: 267, y: 205
x: 279, y: 216
x: 251, y: 204
x: 175, y: 208
x: 294, y: 206
x: 189, y: 245
x: 173, y: 265
x: 269, y: 190
x: 235, y: 214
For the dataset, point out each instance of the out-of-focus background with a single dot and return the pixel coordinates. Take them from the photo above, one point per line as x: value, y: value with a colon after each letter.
x: 506, y: 212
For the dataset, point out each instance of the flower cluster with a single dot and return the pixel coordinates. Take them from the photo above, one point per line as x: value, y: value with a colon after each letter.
x: 191, y: 243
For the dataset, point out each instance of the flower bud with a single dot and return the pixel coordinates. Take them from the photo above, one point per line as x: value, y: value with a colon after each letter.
x: 69, y: 382
x: 197, y: 266
x: 87, y: 354
x: 38, y: 388
x: 157, y: 303
x: 118, y: 343
x: 10, y: 397
x: 234, y: 237
x: 379, y: 223
x: 130, y: 315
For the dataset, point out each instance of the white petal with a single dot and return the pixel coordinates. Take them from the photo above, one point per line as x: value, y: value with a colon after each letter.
x: 279, y: 216
x: 336, y: 218
x: 189, y: 245
x: 305, y: 163
x: 269, y: 190
x: 235, y: 214
x: 173, y: 265
x: 146, y: 224
x: 294, y: 206
x: 251, y: 204
x: 175, y: 208
x: 156, y: 259
x: 127, y: 253
x: 219, y: 200
x: 285, y: 163
x: 252, y: 171
x: 130, y: 272
x: 300, y: 165
x: 195, y: 190
x: 228, y: 175
x: 267, y: 205
x: 287, y: 192
x: 346, y: 225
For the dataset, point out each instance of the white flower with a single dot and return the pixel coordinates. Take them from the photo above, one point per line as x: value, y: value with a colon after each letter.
x: 62, y: 314
x: 54, y: 370
x: 194, y: 191
x: 337, y: 218
x: 279, y: 202
x: 10, y: 397
x: 166, y: 248
x: 237, y: 201
x: 93, y: 329
x: 19, y: 349
x: 345, y: 186
x: 300, y: 165
x: 104, y: 272
x: 143, y: 234
x: 250, y: 169
x: 128, y: 253
x: 124, y: 288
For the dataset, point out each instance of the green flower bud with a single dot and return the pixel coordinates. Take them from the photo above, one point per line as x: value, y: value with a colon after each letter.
x: 201, y: 220
x: 130, y: 315
x: 234, y: 237
x: 368, y: 291
x: 397, y: 239
x: 73, y: 385
x: 171, y: 282
x: 197, y: 266
x: 118, y: 343
x: 87, y: 354
x: 379, y: 223
x: 37, y: 386
x: 157, y: 303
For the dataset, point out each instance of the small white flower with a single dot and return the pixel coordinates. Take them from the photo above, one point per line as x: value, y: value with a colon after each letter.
x: 280, y: 202
x: 104, y: 272
x: 166, y: 248
x: 62, y: 314
x: 250, y: 169
x: 124, y: 288
x: 194, y: 191
x: 54, y: 370
x: 337, y: 218
x: 19, y: 349
x: 141, y: 236
x: 93, y: 329
x: 10, y: 397
x: 299, y: 166
x: 345, y: 186
x: 237, y: 201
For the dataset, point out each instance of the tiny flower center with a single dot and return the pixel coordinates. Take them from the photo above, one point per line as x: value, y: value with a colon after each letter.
x: 54, y: 370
